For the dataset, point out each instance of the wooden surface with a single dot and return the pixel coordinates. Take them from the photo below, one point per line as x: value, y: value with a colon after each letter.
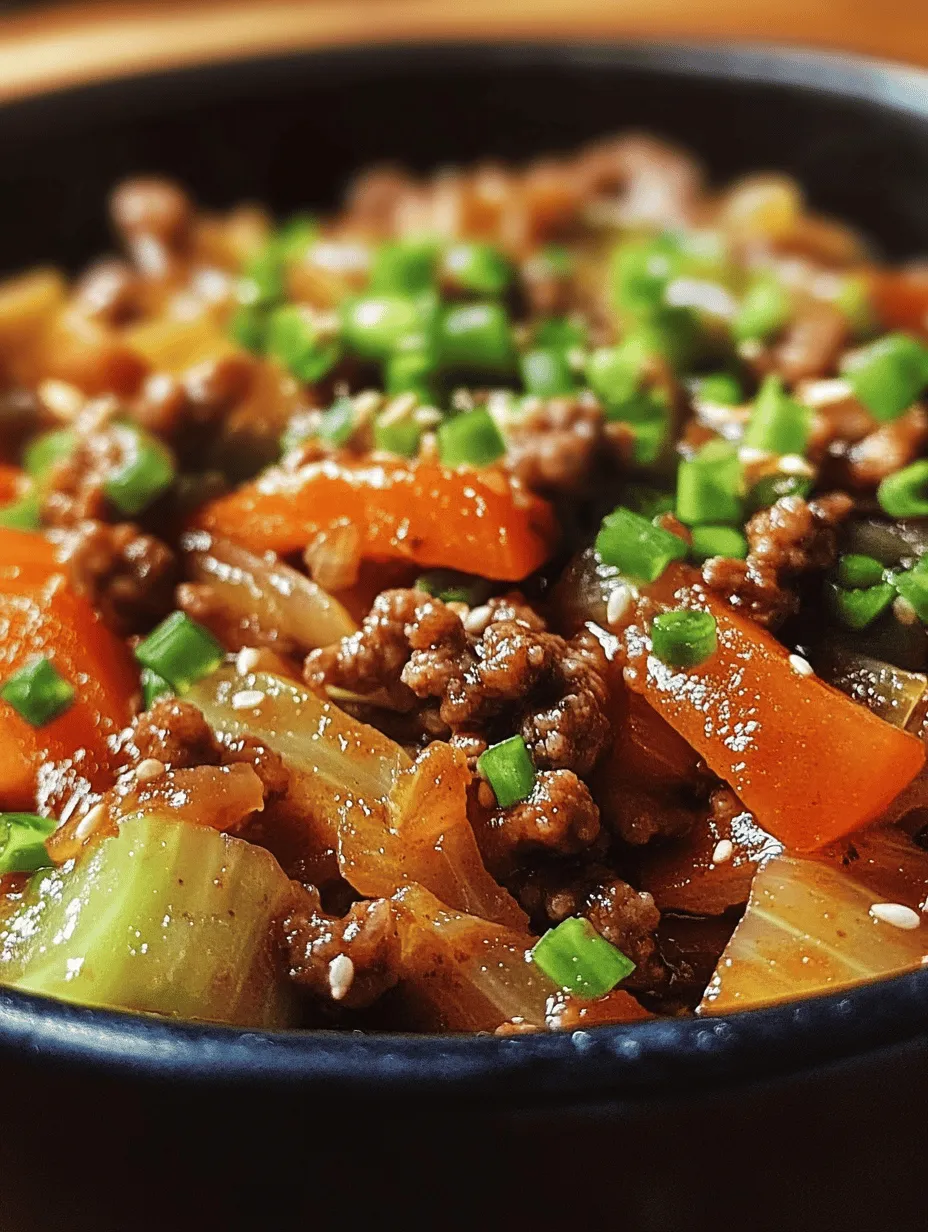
x: 69, y: 43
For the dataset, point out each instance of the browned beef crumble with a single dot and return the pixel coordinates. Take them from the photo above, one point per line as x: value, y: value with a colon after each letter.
x: 367, y: 937
x: 126, y: 574
x: 560, y: 816
x: 790, y: 539
x: 563, y: 445
x: 109, y: 292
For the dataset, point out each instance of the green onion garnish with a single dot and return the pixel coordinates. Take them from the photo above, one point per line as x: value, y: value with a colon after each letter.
x: 709, y: 486
x: 615, y: 373
x: 410, y: 372
x: 562, y: 333
x: 770, y: 488
x: 399, y: 436
x: 905, y: 494
x: 476, y: 336
x: 577, y: 959
x: 721, y: 388
x: 470, y: 439
x: 636, y: 547
x: 47, y: 449
x: 453, y: 587
x: 153, y: 687
x: 683, y: 637
x: 546, y: 373
x: 295, y: 237
x: 639, y: 271
x: 477, y: 268
x: 180, y: 651
x: 764, y: 310
x: 404, y: 267
x: 22, y: 842
x: 22, y: 514
x: 248, y: 326
x: 374, y: 326
x: 709, y: 541
x: 145, y: 470
x: 649, y: 501
x: 509, y: 769
x: 856, y: 571
x: 263, y: 280
x: 888, y: 375
x: 295, y: 340
x: 38, y: 692
x: 778, y: 424
x: 859, y: 608
x: 337, y: 424
x: 913, y: 586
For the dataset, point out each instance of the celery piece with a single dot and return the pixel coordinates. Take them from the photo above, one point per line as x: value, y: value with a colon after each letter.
x: 164, y: 918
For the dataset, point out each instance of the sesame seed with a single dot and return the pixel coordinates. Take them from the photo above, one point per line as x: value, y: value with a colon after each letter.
x: 478, y: 618
x: 825, y: 393
x: 793, y: 464
x: 617, y: 605
x: 896, y: 914
x: 247, y: 660
x: 150, y: 768
x: 341, y: 975
x: 247, y: 699
x: 749, y: 455
x: 724, y: 850
x: 88, y: 824
x: 801, y: 666
x: 903, y: 610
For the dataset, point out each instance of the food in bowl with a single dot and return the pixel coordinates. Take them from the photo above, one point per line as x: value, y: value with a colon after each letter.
x: 498, y: 606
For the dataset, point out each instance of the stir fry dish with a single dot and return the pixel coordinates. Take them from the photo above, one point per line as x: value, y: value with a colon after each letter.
x: 497, y: 606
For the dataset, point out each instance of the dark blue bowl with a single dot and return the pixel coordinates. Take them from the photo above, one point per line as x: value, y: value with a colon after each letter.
x: 802, y: 1116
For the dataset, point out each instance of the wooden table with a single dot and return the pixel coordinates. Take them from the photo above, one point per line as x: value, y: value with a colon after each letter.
x: 67, y: 43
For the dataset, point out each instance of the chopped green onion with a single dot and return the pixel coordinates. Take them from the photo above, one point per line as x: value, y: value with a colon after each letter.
x: 888, y: 375
x: 673, y: 333
x: 556, y: 261
x: 477, y: 268
x: 913, y: 586
x: 404, y: 267
x: 853, y: 299
x: 546, y: 373
x: 647, y: 415
x: 180, y: 651
x: 721, y: 388
x: 856, y: 571
x: 778, y: 424
x: 709, y: 486
x: 248, y: 327
x: 47, y: 450
x: 615, y: 373
x: 860, y: 607
x: 905, y: 494
x: 296, y: 341
x: 337, y: 424
x: 263, y: 281
x: 146, y: 469
x: 476, y: 336
x: 38, y: 692
x: 374, y: 326
x: 22, y: 514
x: 470, y: 439
x: 410, y: 371
x: 709, y: 541
x: 577, y: 959
x: 770, y: 488
x: 399, y: 436
x: 636, y: 547
x: 649, y: 439
x: 562, y: 333
x: 639, y: 271
x: 153, y: 687
x: 22, y: 842
x: 683, y: 637
x: 764, y: 310
x: 295, y: 237
x: 509, y: 769
x: 453, y: 587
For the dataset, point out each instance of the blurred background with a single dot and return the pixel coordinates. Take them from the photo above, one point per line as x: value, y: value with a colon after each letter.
x: 44, y: 44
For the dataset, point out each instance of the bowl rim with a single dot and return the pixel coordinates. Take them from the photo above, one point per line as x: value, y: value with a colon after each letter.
x: 654, y: 1056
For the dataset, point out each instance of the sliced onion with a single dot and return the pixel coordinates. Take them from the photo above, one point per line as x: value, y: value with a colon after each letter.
x: 422, y: 834
x: 463, y: 973
x: 890, y: 542
x: 890, y: 692
x: 266, y: 600
x: 809, y: 929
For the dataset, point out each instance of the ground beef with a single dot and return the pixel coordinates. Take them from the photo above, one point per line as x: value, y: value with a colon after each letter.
x: 176, y: 733
x: 187, y: 409
x: 649, y: 180
x: 154, y: 219
x: 76, y: 485
x: 109, y: 292
x: 560, y: 446
x: 811, y: 344
x: 127, y: 575
x: 791, y: 539
x: 559, y: 816
x: 888, y: 448
x: 351, y: 960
